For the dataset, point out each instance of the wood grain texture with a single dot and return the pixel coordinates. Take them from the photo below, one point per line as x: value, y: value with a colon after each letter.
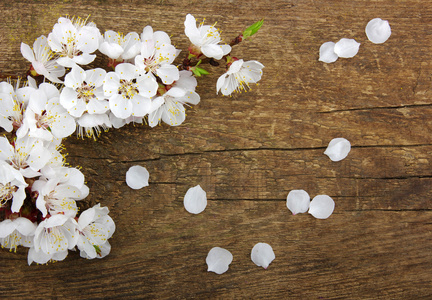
x: 248, y: 151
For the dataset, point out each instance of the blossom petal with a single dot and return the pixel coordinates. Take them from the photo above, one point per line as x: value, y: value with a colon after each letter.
x: 126, y: 71
x: 338, y: 149
x: 27, y: 52
x: 377, y: 30
x: 191, y: 30
x: 326, y: 53
x: 112, y: 50
x: 6, y: 227
x: 18, y: 199
x: 346, y: 48
x: 83, y: 59
x: 298, y: 201
x: 168, y: 73
x: 218, y: 260
x: 137, y: 177
x: 120, y: 106
x: 321, y: 206
x: 262, y: 255
x: 195, y: 200
x: 212, y: 50
x: 68, y: 98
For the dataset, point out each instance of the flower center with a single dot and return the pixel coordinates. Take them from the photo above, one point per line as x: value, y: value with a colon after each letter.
x: 44, y: 120
x: 86, y: 92
x: 6, y: 193
x: 127, y: 88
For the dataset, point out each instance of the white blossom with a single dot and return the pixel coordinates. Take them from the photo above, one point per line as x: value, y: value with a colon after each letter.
x: 74, y: 41
x: 129, y: 94
x: 12, y: 187
x: 55, y: 197
x: 12, y: 105
x: 170, y: 107
x: 16, y: 232
x: 238, y: 77
x: 28, y: 155
x: 42, y: 59
x: 205, y: 39
x: 95, y: 227
x: 92, y: 125
x: 45, y: 118
x: 157, y: 56
x: 120, y: 47
x: 53, y: 238
x: 83, y: 92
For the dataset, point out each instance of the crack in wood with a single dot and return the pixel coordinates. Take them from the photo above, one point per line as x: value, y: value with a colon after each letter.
x: 376, y: 108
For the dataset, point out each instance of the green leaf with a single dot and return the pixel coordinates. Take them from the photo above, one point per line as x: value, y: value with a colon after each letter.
x: 202, y: 71
x: 251, y: 30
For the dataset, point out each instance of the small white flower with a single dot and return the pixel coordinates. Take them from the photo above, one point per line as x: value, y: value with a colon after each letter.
x: 195, y: 200
x: 12, y: 105
x: 137, y: 177
x: 53, y: 238
x: 95, y: 227
x: 378, y: 31
x: 74, y: 40
x: 157, y: 55
x: 42, y: 59
x: 321, y: 206
x: 91, y: 125
x: 55, y: 197
x: 205, y: 38
x: 218, y: 260
x: 338, y: 149
x: 238, y: 77
x: 327, y: 53
x: 16, y: 232
x: 12, y: 187
x: 262, y: 255
x: 44, y: 117
x: 83, y: 92
x: 119, y: 47
x: 170, y: 107
x: 298, y: 201
x: 346, y: 48
x: 28, y: 155
x: 129, y: 94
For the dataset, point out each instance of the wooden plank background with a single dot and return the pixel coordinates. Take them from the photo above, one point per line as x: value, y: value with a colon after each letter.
x: 249, y: 151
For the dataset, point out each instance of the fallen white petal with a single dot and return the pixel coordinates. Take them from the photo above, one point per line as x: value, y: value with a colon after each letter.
x: 298, y: 201
x: 321, y: 207
x: 327, y: 53
x: 378, y: 31
x: 195, y: 200
x: 346, y: 48
x: 338, y: 149
x: 218, y: 260
x: 262, y: 255
x: 137, y: 177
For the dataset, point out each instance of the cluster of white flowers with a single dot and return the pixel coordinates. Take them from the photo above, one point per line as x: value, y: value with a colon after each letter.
x: 38, y: 191
x: 377, y: 31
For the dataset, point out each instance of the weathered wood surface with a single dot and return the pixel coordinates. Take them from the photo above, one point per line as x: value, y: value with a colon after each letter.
x: 249, y: 151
